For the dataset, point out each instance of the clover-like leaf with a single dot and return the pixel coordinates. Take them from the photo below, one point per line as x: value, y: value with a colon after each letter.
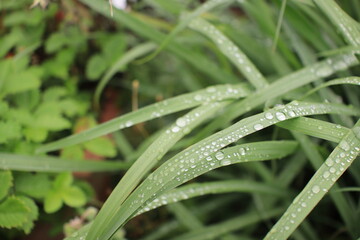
x: 13, y: 213
x: 6, y: 182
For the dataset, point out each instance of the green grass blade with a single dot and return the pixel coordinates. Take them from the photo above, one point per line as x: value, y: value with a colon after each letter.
x: 150, y: 157
x: 324, y: 178
x: 283, y: 85
x: 207, y: 6
x: 231, y: 51
x: 193, y: 161
x: 176, y: 104
x: 195, y: 59
x: 51, y: 164
x: 344, y: 23
x: 200, y: 189
x: 184, y: 216
x: 339, y: 81
x: 122, y: 61
x: 316, y: 128
x: 216, y: 230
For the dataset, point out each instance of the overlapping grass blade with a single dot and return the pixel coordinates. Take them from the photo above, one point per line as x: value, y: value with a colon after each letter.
x: 231, y: 51
x: 283, y: 85
x: 176, y: 104
x: 324, y: 178
x: 195, y: 59
x: 207, y: 6
x: 152, y: 154
x: 19, y: 162
x: 216, y: 230
x: 200, y: 189
x: 339, y: 81
x: 203, y: 157
x: 129, y: 56
x: 316, y: 128
x: 344, y: 23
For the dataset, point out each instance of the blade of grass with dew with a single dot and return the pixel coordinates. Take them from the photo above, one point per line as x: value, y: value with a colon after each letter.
x: 321, y: 182
x: 129, y: 56
x: 176, y: 104
x: 339, y: 81
x: 192, y: 162
x: 285, y: 84
x: 51, y: 164
x: 151, y: 155
x: 316, y: 160
x: 184, y: 216
x: 207, y: 6
x: 229, y: 49
x: 344, y: 23
x: 200, y: 189
x: 316, y: 128
x: 216, y: 230
x: 195, y: 59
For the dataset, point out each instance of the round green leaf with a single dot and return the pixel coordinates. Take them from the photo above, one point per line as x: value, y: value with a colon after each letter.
x: 74, y: 196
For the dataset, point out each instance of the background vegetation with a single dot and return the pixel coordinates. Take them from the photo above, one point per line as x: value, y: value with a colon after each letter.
x: 253, y: 104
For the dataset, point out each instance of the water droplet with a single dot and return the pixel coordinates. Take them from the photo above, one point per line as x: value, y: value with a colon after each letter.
x: 219, y: 156
x: 326, y: 174
x: 211, y: 89
x: 332, y: 170
x: 303, y: 204
x: 242, y: 151
x: 175, y: 129
x: 324, y: 71
x: 292, y: 113
x: 209, y: 158
x: 258, y: 126
x: 269, y: 116
x: 128, y: 124
x: 280, y: 116
x: 344, y: 146
x: 329, y: 162
x: 181, y: 122
x: 198, y: 97
x: 315, y: 189
x: 225, y: 162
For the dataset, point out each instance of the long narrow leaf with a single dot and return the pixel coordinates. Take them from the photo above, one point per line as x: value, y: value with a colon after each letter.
x: 176, y: 104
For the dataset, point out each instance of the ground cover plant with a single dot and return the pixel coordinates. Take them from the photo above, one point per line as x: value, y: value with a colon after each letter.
x: 254, y: 109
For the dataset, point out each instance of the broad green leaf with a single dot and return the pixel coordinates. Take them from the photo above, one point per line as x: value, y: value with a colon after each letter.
x: 52, y: 122
x: 9, y: 130
x: 56, y: 41
x: 182, y: 102
x: 32, y: 185
x: 75, y: 152
x: 35, y: 134
x: 32, y: 215
x: 63, y: 180
x: 51, y: 164
x: 6, y: 182
x: 20, y: 82
x: 321, y: 182
x: 53, y: 201
x: 101, y: 146
x: 5, y: 70
x: 95, y: 67
x: 13, y: 213
x: 73, y: 196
